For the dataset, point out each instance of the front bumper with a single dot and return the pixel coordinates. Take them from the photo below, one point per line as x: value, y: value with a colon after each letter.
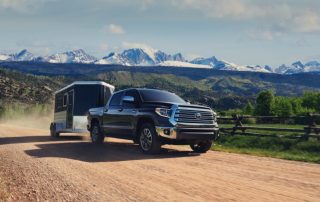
x: 188, y: 133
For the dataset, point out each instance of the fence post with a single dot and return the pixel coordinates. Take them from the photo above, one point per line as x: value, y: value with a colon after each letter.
x: 311, y: 124
x: 237, y: 120
x: 314, y: 128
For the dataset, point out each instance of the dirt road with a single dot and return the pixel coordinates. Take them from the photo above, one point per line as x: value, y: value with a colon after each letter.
x: 35, y: 167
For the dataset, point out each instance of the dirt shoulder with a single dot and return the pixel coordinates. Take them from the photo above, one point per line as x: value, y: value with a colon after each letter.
x: 36, y: 167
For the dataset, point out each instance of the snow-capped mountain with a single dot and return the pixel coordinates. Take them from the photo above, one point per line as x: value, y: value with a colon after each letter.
x: 152, y: 57
x: 140, y: 57
x: 258, y: 68
x: 224, y: 65
x: 299, y: 67
x: 212, y: 61
x: 4, y: 57
x: 75, y: 56
x: 170, y: 63
x: 23, y: 55
x: 113, y: 58
x: 178, y: 57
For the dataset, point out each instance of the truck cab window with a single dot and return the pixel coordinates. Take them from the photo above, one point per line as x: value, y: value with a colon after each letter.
x: 135, y: 95
x: 116, y: 99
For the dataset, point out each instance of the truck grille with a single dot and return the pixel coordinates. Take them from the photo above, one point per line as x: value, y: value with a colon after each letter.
x: 189, y: 115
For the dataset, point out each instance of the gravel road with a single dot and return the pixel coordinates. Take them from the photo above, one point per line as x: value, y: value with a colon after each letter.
x: 35, y: 167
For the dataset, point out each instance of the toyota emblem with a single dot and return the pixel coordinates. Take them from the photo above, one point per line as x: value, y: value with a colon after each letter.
x: 198, y: 115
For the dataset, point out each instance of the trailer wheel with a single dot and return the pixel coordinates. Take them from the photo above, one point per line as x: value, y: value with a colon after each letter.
x: 201, y: 147
x: 148, y: 139
x: 97, y: 137
x: 53, y: 131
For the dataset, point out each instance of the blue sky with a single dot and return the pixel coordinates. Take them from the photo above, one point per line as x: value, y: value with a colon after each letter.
x: 240, y: 31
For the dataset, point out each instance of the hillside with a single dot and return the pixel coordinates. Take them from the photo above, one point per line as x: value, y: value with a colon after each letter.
x: 219, y: 91
x: 302, y: 79
x: 34, y: 83
x: 27, y: 88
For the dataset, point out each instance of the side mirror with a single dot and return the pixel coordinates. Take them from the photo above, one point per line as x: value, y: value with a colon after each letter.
x: 128, y: 99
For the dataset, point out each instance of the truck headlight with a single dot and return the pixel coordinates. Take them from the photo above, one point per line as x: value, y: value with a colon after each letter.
x: 214, y: 116
x: 163, y: 112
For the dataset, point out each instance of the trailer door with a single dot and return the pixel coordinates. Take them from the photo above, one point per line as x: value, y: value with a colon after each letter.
x: 70, y: 110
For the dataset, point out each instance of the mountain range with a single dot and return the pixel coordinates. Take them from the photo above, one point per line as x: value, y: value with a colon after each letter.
x: 151, y: 57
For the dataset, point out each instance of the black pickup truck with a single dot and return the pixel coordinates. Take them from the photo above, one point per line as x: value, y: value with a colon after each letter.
x: 152, y: 118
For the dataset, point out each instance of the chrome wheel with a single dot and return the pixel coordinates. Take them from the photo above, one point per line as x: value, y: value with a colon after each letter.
x: 146, y: 139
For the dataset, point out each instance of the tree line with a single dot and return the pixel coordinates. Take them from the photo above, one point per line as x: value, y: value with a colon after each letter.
x: 267, y: 104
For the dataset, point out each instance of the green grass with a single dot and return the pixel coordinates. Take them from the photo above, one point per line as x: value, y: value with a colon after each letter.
x: 291, y: 149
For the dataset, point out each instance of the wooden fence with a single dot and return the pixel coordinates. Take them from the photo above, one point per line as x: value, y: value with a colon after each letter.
x: 310, y: 130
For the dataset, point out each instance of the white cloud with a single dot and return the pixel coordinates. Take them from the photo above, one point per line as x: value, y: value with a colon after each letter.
x: 220, y: 8
x: 309, y: 21
x: 264, y: 34
x: 25, y: 6
x: 115, y: 29
x: 283, y: 16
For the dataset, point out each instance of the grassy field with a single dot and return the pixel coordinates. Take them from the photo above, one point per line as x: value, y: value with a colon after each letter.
x: 278, y: 147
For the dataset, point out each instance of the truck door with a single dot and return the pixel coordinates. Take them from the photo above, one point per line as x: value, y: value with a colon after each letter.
x: 130, y: 111
x: 69, y: 123
x: 113, y: 123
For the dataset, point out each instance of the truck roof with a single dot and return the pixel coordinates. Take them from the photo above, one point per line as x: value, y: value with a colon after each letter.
x: 140, y: 89
x: 85, y: 83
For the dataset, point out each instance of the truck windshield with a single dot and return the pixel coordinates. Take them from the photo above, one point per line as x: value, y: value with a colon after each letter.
x: 149, y: 95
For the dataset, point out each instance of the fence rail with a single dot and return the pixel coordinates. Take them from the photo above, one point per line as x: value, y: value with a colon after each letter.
x: 310, y: 130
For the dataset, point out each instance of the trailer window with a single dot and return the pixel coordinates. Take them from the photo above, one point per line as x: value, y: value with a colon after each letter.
x: 65, y: 97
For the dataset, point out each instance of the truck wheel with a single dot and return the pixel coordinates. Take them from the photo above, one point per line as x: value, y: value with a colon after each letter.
x: 148, y: 139
x: 53, y: 130
x: 97, y: 137
x: 201, y: 147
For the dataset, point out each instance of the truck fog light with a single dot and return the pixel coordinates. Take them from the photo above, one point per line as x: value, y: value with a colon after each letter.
x: 166, y: 131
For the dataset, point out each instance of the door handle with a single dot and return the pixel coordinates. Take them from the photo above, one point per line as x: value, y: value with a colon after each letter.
x: 120, y: 110
x: 134, y: 110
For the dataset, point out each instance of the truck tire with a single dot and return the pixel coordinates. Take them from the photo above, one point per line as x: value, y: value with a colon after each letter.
x: 53, y: 131
x: 148, y: 139
x: 97, y: 137
x: 201, y: 147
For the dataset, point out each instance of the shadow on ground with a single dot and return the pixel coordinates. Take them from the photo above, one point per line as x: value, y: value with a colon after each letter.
x: 107, y: 152
x: 44, y: 138
x: 79, y: 148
